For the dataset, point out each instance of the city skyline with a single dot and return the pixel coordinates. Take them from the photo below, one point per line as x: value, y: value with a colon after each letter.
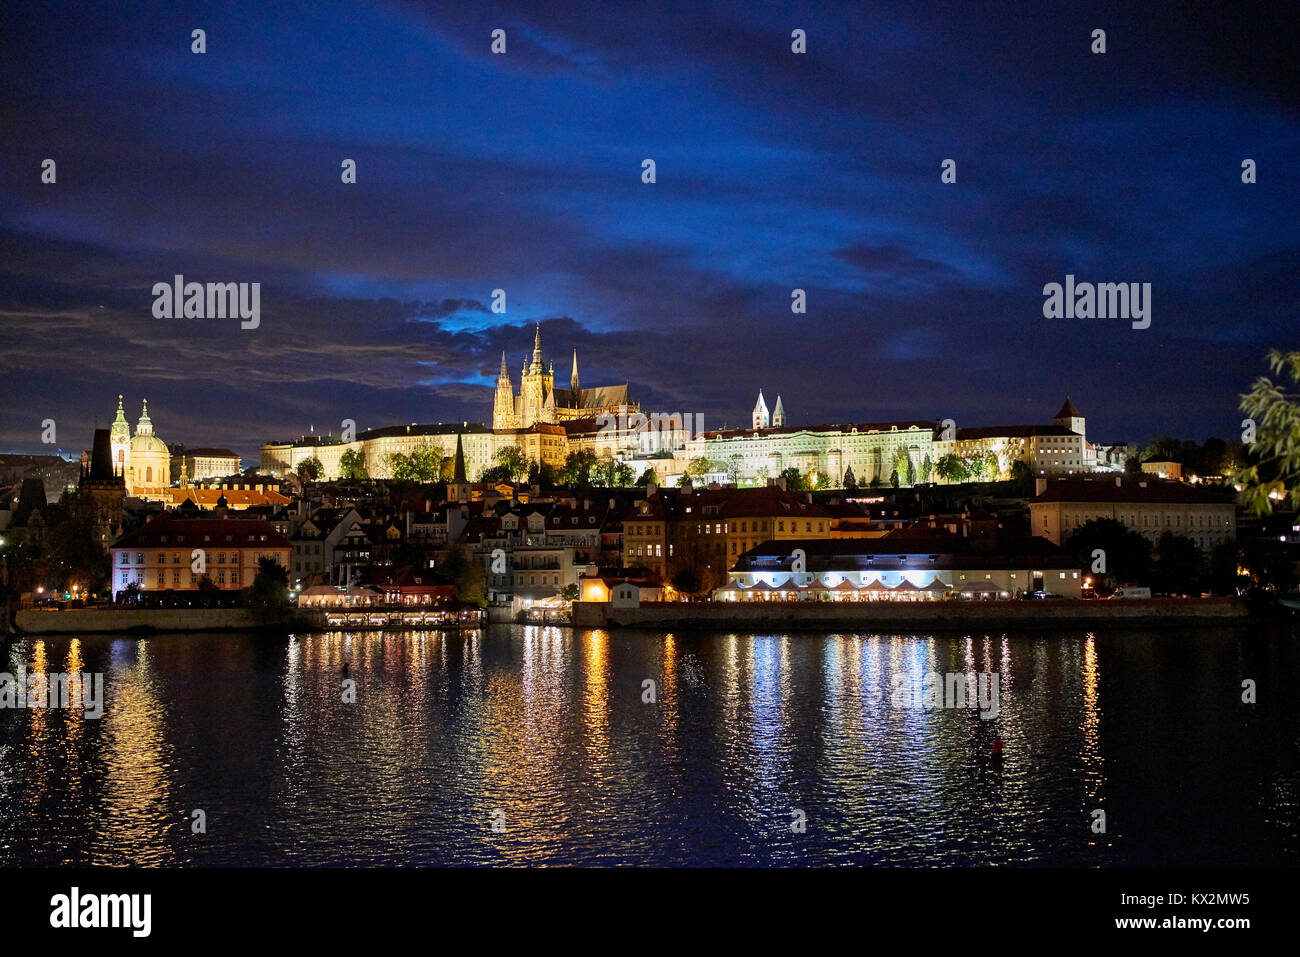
x: 522, y: 172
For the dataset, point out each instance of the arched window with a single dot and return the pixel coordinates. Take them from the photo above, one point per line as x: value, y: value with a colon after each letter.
x: 148, y: 473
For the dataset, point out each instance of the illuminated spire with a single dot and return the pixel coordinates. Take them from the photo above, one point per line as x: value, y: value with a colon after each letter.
x: 537, y: 350
x: 573, y: 379
x: 144, y: 426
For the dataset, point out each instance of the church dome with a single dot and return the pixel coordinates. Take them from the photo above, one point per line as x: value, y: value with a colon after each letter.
x: 145, y: 444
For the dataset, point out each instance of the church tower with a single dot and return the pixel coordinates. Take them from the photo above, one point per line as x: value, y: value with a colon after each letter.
x: 760, y: 412
x: 144, y: 425
x: 120, y: 441
x: 503, y: 405
x: 778, y: 414
x: 1070, y: 418
x: 536, y: 386
x: 573, y: 378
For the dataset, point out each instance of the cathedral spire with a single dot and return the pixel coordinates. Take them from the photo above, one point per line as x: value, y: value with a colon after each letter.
x: 573, y: 378
x: 537, y: 350
x: 504, y: 374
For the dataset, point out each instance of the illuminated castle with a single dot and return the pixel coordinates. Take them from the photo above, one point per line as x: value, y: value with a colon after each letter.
x: 539, y: 401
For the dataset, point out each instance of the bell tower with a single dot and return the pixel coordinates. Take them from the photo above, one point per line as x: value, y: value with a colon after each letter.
x: 503, y: 405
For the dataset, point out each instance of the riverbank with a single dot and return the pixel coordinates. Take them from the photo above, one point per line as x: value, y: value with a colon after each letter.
x: 756, y: 616
x: 143, y: 621
x: 819, y: 616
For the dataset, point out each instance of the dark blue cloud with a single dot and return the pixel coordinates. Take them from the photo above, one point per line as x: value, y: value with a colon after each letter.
x: 522, y: 172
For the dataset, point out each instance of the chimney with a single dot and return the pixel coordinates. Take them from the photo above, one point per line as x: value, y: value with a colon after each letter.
x: 1040, y: 486
x: 1119, y: 481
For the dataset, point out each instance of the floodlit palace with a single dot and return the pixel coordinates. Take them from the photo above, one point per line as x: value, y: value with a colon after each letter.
x: 548, y: 424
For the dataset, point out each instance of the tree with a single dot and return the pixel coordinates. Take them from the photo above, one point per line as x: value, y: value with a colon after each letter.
x: 648, y: 477
x: 734, y: 467
x: 72, y: 554
x: 794, y: 480
x: 698, y: 466
x: 426, y: 462
x: 950, y: 468
x: 268, y: 596
x: 611, y: 473
x: 578, y: 467
x: 926, y: 470
x: 513, y: 460
x: 851, y: 481
x: 1133, y: 466
x: 352, y: 465
x: 209, y: 593
x: 1276, y: 449
x: 1164, y: 449
x: 902, y: 462
x: 1126, y: 554
x: 495, y: 474
x: 399, y: 467
x: 467, y: 575
x: 1179, y: 565
x: 310, y: 470
x: 541, y: 474
x: 893, y: 477
x: 685, y: 481
x: 1223, y: 579
x: 691, y: 572
x: 1021, y: 473
x: 569, y: 593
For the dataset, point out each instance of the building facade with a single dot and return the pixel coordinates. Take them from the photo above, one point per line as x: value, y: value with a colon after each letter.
x: 1150, y: 508
x: 900, y: 567
x: 170, y: 553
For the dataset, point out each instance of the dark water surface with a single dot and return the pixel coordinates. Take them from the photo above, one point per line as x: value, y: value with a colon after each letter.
x: 545, y: 732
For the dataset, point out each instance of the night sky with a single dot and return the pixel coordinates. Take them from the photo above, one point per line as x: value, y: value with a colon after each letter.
x: 523, y: 172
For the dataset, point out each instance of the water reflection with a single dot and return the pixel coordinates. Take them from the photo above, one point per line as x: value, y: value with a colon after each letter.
x: 537, y: 745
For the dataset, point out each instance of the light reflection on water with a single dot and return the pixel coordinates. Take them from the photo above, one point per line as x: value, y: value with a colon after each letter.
x: 546, y: 731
